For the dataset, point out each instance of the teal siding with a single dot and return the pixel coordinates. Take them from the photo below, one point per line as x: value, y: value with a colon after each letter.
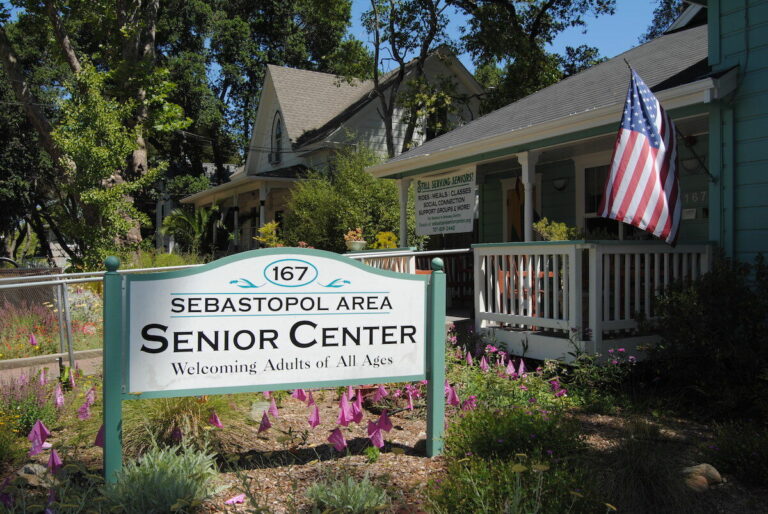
x: 694, y: 184
x: 738, y: 34
x: 558, y: 205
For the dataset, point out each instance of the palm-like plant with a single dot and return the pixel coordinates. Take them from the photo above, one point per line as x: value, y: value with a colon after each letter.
x: 191, y: 227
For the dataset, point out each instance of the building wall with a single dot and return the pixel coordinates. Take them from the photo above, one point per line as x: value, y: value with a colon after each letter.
x: 738, y: 35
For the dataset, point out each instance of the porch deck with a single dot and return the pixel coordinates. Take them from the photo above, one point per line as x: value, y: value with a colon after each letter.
x: 546, y: 299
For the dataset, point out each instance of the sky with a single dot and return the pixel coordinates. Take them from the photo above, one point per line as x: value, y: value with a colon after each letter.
x: 611, y: 34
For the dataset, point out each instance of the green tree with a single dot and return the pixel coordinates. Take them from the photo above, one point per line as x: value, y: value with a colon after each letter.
x: 404, y: 33
x: 329, y: 203
x: 512, y: 35
x: 191, y: 228
x: 664, y: 14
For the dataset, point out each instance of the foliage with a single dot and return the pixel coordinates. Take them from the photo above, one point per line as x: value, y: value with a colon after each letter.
x: 268, y: 235
x: 156, y: 259
x: 322, y: 208
x: 170, y: 422
x: 191, y: 228
x: 508, y: 41
x: 556, y: 231
x: 345, y: 494
x: 166, y: 480
x: 740, y: 448
x: 516, y: 484
x: 76, y: 490
x: 664, y: 14
x: 12, y: 441
x: 502, y: 433
x: 385, y: 240
x: 712, y: 332
x: 18, y: 322
x: 24, y: 400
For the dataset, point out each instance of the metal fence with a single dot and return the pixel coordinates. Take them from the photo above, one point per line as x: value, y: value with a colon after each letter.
x: 54, y: 307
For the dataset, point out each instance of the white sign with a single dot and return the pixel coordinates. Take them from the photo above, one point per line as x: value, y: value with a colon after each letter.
x: 445, y: 204
x: 280, y: 318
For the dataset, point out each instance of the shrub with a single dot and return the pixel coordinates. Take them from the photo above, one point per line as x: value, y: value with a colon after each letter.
x: 557, y: 231
x: 12, y: 443
x: 169, y: 422
x: 713, y: 349
x: 25, y: 400
x: 345, y: 494
x: 741, y: 448
x: 500, y: 433
x: 164, y: 480
x: 19, y: 322
x: 510, y: 485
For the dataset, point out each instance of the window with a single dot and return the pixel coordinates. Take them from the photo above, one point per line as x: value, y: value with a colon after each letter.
x: 277, y: 140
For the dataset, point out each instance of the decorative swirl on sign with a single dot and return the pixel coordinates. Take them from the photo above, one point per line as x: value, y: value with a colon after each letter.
x: 245, y: 283
x: 337, y: 283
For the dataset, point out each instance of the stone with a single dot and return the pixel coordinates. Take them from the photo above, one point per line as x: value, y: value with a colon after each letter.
x: 708, y: 471
x: 37, y: 475
x: 697, y: 483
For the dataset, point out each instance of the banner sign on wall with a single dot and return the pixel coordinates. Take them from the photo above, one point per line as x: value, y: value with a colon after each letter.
x: 266, y: 320
x: 445, y: 204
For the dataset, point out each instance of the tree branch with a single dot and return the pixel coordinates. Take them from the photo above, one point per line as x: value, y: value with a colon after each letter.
x: 61, y: 36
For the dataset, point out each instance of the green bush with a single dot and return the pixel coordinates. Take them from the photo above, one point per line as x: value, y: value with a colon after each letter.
x: 164, y: 480
x: 510, y: 485
x: 12, y: 444
x: 169, y: 422
x: 713, y: 349
x: 345, y: 494
x: 557, y: 231
x: 500, y: 433
x: 322, y: 208
x: 740, y: 448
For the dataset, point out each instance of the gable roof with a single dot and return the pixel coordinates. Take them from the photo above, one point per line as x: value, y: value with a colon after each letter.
x: 308, y: 99
x: 668, y: 61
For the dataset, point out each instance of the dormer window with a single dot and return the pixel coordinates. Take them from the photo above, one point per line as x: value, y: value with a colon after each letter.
x: 277, y: 140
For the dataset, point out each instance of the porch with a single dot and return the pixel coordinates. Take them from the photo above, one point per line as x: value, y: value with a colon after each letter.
x: 546, y: 299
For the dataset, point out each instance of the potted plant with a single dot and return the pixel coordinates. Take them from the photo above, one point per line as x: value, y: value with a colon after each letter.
x: 354, y: 240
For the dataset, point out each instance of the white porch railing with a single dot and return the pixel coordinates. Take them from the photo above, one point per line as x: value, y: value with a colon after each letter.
x: 402, y: 261
x: 549, y: 285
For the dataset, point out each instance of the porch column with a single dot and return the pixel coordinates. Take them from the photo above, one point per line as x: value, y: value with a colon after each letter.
x: 404, y: 184
x: 236, y: 220
x: 528, y: 162
x: 263, y: 192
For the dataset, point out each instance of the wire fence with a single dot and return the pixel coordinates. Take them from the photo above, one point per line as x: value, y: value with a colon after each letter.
x: 44, y: 312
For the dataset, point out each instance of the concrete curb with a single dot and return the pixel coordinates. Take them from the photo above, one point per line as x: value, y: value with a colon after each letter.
x: 39, y: 360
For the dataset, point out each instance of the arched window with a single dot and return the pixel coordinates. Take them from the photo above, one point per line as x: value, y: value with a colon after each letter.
x: 277, y: 140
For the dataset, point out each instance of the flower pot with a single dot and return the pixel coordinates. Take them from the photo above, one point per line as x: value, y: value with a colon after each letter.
x: 355, y: 246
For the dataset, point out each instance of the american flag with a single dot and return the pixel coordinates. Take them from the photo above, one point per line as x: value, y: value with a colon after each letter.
x: 642, y: 187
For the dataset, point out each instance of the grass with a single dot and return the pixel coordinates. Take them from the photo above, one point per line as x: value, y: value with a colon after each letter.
x: 346, y: 494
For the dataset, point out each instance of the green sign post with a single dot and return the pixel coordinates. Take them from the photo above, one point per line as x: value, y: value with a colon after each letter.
x: 271, y: 319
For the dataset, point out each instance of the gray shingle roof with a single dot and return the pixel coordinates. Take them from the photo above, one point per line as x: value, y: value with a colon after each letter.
x: 665, y: 62
x: 308, y: 99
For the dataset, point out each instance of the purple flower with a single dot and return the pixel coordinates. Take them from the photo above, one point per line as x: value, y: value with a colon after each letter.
x: 99, y: 437
x: 350, y: 392
x: 58, y: 396
x: 32, y: 340
x: 310, y: 399
x: 43, y: 378
x: 337, y: 440
x: 299, y: 394
x: 521, y: 369
x: 511, y: 368
x: 523, y: 387
x: 561, y: 392
x: 491, y: 349
x: 531, y: 400
x: 240, y: 498
x: 345, y: 411
x: 273, y: 409
x: 37, y: 437
x: 410, y: 400
x: 265, y: 424
x: 380, y: 393
x: 484, y: 364
x: 554, y: 385
x: 610, y: 350
x: 470, y: 403
x: 632, y: 359
x: 314, y: 417
x: 84, y: 412
x: 176, y: 435
x: 214, y: 420
x: 614, y: 361
x: 384, y: 422
x: 453, y: 398
x: 622, y: 350
x: 376, y: 437
x: 469, y: 359
x: 90, y: 396
x: 54, y: 462
x: 267, y: 395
